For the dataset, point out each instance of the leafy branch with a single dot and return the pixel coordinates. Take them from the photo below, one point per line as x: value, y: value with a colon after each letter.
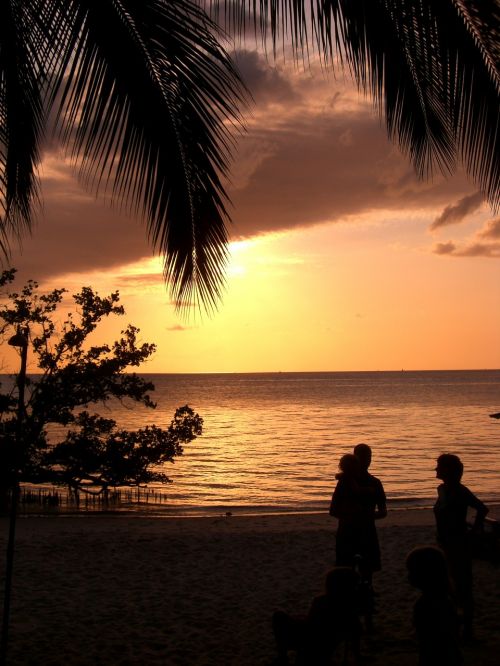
x: 94, y: 453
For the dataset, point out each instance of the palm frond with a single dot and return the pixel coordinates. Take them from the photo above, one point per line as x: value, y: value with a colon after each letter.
x: 21, y: 117
x: 473, y: 60
x: 145, y: 99
x: 432, y: 67
x: 148, y: 99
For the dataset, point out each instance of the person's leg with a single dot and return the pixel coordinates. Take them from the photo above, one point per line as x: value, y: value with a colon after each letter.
x: 365, y: 597
x: 346, y: 546
x: 460, y: 569
x: 464, y: 588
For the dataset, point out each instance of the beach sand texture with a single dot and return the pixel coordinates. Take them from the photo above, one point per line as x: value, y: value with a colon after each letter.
x: 200, y: 591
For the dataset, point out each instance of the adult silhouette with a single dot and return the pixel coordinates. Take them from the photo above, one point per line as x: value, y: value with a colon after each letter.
x: 357, y: 502
x: 377, y: 499
x: 453, y: 501
x: 346, y: 507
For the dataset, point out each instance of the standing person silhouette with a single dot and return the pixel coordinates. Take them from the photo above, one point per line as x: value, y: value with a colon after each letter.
x: 357, y: 502
x: 374, y: 507
x: 450, y: 510
x: 346, y: 507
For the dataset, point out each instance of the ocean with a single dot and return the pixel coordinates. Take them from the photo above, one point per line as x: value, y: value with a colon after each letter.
x: 272, y: 441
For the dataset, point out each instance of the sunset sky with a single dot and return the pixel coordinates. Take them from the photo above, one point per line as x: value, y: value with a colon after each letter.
x: 341, y: 259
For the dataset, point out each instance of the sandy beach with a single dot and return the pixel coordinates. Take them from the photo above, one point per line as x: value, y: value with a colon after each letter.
x: 127, y: 589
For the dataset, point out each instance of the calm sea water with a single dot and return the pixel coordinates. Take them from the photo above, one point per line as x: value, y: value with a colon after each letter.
x: 273, y: 441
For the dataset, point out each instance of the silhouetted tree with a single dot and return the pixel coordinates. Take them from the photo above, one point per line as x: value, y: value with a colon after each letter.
x: 60, y: 440
x: 95, y: 454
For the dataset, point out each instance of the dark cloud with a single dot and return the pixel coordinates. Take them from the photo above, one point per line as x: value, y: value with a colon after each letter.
x: 445, y: 248
x: 265, y: 83
x: 323, y: 169
x: 490, y: 250
x: 491, y: 229
x: 457, y: 212
x: 75, y: 233
x: 474, y: 249
x: 313, y: 153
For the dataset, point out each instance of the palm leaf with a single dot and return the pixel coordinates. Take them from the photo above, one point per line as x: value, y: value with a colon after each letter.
x: 476, y: 89
x: 148, y: 92
x: 21, y: 118
x: 431, y: 66
x: 145, y: 99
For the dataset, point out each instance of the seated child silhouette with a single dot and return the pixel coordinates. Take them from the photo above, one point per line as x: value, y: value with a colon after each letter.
x: 434, y: 615
x: 332, y: 620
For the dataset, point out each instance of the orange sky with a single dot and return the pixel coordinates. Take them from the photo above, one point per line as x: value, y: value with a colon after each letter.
x: 341, y: 260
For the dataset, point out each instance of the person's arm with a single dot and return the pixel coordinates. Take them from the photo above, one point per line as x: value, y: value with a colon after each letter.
x: 381, y: 503
x: 335, y: 503
x: 343, y: 505
x: 333, y: 507
x: 480, y: 508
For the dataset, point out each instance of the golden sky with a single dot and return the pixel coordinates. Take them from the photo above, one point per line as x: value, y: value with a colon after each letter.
x: 341, y: 258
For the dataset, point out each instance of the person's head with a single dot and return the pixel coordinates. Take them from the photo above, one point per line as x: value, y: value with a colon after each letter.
x: 349, y: 465
x: 427, y: 570
x: 449, y: 468
x: 364, y: 454
x: 341, y: 583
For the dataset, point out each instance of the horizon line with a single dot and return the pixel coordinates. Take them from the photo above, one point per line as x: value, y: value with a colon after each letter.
x: 287, y: 372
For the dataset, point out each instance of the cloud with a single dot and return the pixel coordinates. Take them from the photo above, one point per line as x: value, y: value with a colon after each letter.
x: 491, y: 229
x: 179, y: 327
x: 185, y: 305
x: 491, y: 250
x: 322, y: 168
x: 457, y: 212
x: 476, y: 245
x: 266, y: 83
x: 445, y: 248
x: 141, y: 280
x: 75, y: 232
x: 315, y: 153
x: 473, y: 249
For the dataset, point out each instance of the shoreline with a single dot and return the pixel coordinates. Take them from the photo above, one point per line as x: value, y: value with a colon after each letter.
x: 158, y: 510
x: 241, y: 520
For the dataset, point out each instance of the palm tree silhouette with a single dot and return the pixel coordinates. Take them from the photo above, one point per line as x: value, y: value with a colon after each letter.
x: 144, y: 97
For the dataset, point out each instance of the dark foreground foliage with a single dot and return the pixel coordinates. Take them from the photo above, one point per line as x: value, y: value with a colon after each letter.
x: 88, y: 452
